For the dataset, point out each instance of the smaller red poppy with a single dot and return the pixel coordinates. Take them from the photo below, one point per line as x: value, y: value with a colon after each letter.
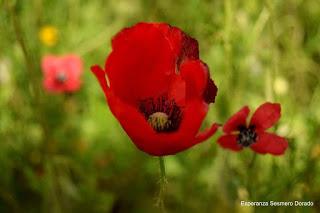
x: 240, y: 134
x: 61, y: 73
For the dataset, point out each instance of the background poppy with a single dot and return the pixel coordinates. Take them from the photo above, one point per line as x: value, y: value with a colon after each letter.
x: 239, y: 133
x: 62, y: 73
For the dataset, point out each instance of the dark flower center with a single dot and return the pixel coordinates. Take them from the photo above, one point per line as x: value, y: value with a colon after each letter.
x: 162, y: 114
x: 247, y: 135
x: 61, y: 77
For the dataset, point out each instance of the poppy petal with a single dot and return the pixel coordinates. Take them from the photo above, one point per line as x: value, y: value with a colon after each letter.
x: 101, y: 76
x: 196, y: 75
x: 74, y: 64
x: 210, y: 92
x: 139, y: 67
x: 177, y: 90
x: 207, y: 133
x: 182, y: 45
x: 238, y: 119
x: 266, y: 116
x: 155, y: 143
x: 48, y: 63
x: 229, y: 142
x: 270, y: 143
x: 190, y: 49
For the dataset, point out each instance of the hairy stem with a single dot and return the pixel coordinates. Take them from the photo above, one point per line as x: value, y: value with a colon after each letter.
x: 163, y: 185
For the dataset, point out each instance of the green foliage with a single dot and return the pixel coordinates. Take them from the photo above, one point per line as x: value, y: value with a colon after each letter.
x: 67, y: 153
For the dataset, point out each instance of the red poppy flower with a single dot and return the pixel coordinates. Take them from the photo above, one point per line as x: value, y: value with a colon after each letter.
x: 62, y: 73
x: 158, y: 88
x: 240, y: 134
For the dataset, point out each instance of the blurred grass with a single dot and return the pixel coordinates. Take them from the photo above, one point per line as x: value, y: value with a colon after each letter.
x: 69, y: 154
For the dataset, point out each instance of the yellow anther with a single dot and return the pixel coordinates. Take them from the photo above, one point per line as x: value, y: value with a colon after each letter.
x: 159, y: 121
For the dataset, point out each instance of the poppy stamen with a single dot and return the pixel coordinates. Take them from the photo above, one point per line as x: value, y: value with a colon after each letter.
x: 162, y: 114
x: 159, y: 121
x: 61, y: 77
x: 247, y: 136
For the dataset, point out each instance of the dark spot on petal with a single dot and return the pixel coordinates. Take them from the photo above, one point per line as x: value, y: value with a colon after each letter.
x: 210, y: 92
x: 189, y: 50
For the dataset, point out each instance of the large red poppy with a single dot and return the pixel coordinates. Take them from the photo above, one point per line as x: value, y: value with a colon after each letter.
x: 240, y: 134
x: 158, y: 88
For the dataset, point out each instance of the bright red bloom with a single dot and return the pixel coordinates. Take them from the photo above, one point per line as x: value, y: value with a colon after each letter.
x: 240, y: 134
x: 61, y: 73
x: 158, y: 88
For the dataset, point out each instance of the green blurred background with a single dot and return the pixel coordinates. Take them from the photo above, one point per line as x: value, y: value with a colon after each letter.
x: 67, y: 153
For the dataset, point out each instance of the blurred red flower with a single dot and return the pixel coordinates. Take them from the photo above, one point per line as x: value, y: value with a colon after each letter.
x: 158, y: 88
x: 62, y: 73
x: 239, y: 134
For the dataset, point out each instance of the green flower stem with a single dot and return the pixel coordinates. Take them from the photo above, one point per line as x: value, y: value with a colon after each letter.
x: 252, y: 161
x: 163, y: 185
x: 251, y: 175
x: 162, y: 168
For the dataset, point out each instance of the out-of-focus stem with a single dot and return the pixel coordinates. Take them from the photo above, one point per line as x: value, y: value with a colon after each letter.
x: 228, y: 24
x: 34, y: 82
x: 228, y: 58
x: 227, y: 35
x: 27, y: 56
x: 271, y: 73
x: 252, y: 161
